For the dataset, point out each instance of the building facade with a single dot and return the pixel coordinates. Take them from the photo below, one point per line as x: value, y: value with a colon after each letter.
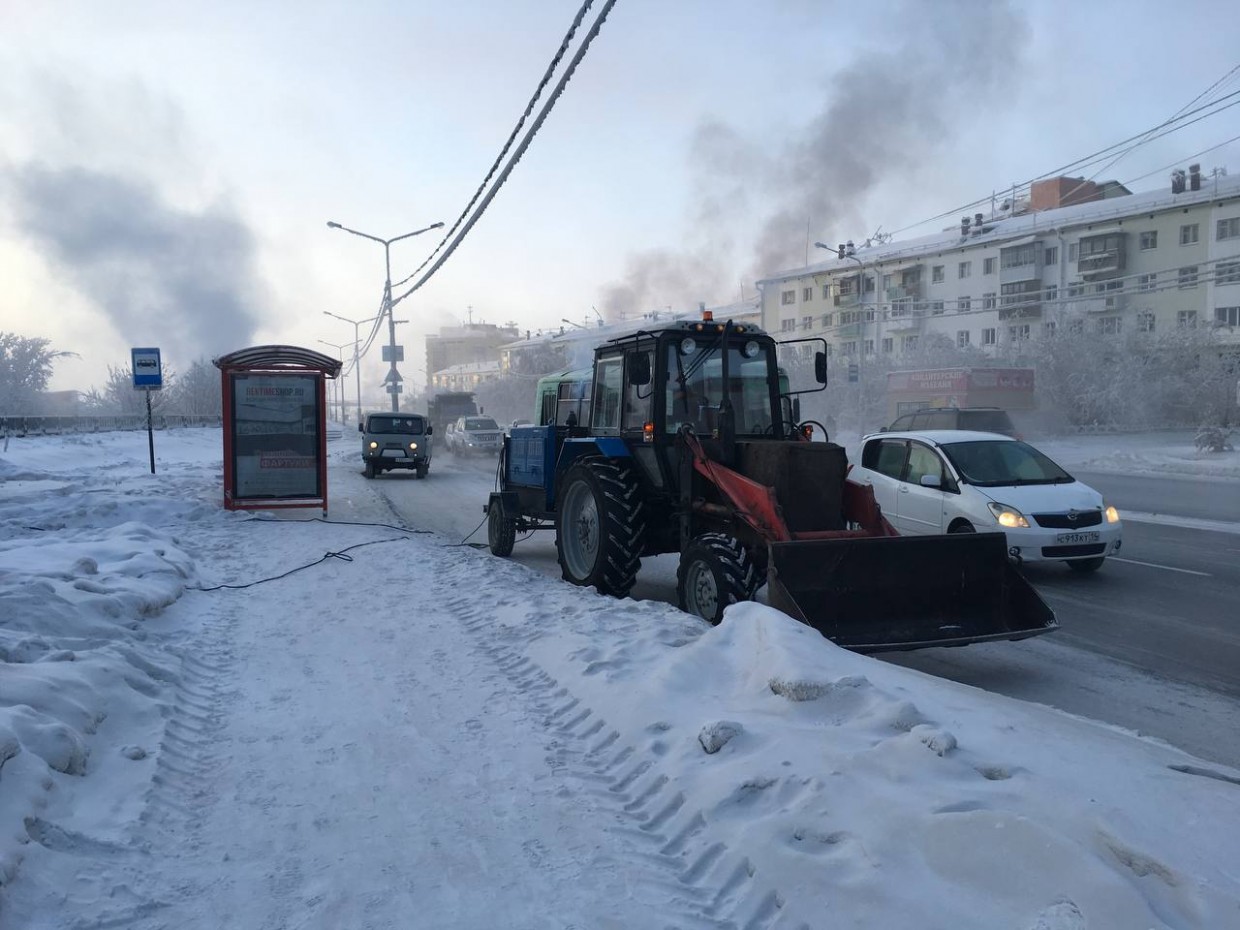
x: 473, y: 343
x: 1121, y: 263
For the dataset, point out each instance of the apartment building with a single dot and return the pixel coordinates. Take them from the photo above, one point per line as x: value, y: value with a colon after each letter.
x: 1116, y: 264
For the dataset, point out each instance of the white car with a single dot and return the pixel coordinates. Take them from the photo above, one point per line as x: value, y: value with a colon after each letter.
x: 959, y: 481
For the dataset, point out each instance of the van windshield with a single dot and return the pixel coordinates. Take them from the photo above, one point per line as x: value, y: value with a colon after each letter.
x: 406, y: 426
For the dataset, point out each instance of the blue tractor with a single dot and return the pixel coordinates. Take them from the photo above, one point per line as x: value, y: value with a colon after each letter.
x: 685, y: 440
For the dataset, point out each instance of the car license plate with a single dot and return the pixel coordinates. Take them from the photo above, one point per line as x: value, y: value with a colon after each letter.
x: 393, y: 453
x: 1077, y: 538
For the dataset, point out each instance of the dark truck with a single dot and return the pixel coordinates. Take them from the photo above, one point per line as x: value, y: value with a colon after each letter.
x: 447, y: 406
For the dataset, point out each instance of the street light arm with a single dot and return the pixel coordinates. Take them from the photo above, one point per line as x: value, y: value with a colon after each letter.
x: 416, y: 232
x: 333, y: 225
x: 347, y: 320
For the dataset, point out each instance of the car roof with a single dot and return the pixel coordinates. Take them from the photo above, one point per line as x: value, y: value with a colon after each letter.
x: 940, y: 437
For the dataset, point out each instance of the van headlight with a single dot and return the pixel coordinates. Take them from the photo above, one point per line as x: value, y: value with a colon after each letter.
x: 413, y: 445
x: 1111, y: 512
x: 374, y: 445
x: 1007, y: 516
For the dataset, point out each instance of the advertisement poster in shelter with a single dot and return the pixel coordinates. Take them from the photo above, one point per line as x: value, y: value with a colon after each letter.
x: 275, y: 435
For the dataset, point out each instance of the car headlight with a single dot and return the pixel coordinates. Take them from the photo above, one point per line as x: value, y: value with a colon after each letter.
x: 374, y: 445
x: 413, y: 445
x: 1007, y: 516
x: 1112, y: 514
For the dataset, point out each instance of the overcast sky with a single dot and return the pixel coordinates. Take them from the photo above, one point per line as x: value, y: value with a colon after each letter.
x: 167, y: 170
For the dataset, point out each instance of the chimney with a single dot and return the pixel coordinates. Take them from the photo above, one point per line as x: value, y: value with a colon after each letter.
x: 964, y: 226
x: 1177, y: 181
x: 977, y: 224
x: 1194, y: 177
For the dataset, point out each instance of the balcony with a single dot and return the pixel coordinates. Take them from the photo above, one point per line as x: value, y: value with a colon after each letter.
x: 1102, y: 303
x: 847, y: 300
x: 1101, y: 256
x: 1023, y: 311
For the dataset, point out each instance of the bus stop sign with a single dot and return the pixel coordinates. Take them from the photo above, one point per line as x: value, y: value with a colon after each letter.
x: 147, y: 372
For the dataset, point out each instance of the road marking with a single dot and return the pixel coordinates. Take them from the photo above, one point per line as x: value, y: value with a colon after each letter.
x: 1183, y: 571
x: 1192, y: 523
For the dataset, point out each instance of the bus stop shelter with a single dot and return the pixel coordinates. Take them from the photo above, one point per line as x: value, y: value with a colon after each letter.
x: 275, y: 427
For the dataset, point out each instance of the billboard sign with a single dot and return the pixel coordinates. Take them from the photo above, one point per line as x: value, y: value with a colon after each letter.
x: 275, y: 435
x: 148, y: 374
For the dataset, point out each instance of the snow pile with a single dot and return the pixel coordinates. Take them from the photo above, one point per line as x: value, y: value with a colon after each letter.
x: 420, y: 729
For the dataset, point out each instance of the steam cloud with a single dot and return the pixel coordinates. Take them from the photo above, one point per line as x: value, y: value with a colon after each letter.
x: 883, y: 117
x: 185, y: 281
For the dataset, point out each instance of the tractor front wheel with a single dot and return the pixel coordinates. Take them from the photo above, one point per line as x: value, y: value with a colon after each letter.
x: 715, y: 571
x: 599, y: 526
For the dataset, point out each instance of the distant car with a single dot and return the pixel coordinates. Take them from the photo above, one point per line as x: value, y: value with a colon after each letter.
x: 476, y: 434
x: 962, y: 481
x: 985, y: 419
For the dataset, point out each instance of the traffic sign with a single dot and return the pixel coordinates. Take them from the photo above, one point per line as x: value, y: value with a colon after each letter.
x: 392, y: 376
x: 147, y: 372
x: 393, y: 353
x: 396, y: 388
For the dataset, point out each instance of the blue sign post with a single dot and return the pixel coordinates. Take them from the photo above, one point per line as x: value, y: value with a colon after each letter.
x: 148, y: 375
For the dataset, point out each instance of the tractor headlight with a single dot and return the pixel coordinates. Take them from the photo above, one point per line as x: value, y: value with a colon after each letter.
x: 413, y: 445
x: 688, y: 346
x: 1007, y: 516
x: 1112, y: 514
x: 374, y: 445
x: 750, y: 350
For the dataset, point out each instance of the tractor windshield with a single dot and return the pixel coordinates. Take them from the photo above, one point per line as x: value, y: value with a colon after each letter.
x: 695, y: 388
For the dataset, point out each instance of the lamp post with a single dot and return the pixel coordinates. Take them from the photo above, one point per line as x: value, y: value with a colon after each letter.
x: 339, y: 347
x: 357, y: 341
x: 565, y: 319
x: 393, y: 378
x: 846, y: 250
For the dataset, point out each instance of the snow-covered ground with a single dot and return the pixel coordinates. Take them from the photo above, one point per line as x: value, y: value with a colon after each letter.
x: 375, y: 727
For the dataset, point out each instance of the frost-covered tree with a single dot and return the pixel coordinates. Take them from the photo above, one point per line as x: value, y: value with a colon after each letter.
x: 120, y: 398
x: 196, y: 392
x: 25, y: 370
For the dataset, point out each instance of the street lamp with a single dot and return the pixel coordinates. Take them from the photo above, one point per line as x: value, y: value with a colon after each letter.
x: 357, y: 341
x: 846, y: 250
x: 393, y: 375
x: 339, y: 347
x: 565, y: 319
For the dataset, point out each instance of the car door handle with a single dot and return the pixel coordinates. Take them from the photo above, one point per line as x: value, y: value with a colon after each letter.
x: 904, y: 489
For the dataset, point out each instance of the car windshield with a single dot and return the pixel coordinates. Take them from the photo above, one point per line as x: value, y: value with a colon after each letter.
x: 997, y: 463
x: 480, y: 423
x: 409, y: 426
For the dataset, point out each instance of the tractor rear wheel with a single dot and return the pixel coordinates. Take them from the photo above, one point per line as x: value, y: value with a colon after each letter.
x: 715, y: 571
x: 599, y: 527
x: 501, y: 530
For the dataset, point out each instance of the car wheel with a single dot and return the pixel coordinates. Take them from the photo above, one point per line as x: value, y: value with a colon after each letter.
x: 422, y: 470
x: 1085, y: 566
x: 715, y: 571
x: 599, y: 526
x: 964, y: 526
x: 370, y: 469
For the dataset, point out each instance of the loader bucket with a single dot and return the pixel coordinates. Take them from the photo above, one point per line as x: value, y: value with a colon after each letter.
x: 877, y: 594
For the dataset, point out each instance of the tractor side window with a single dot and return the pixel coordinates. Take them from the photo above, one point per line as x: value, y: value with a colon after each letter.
x: 923, y: 461
x: 608, y: 383
x: 637, y: 406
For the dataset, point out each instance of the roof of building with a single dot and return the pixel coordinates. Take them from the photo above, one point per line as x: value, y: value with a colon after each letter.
x: 1000, y: 231
x: 469, y: 368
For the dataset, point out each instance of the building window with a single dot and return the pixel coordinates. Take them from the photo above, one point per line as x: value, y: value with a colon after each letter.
x: 1052, y: 256
x: 786, y: 298
x: 1072, y: 250
x: 1145, y: 322
x: 1228, y: 229
x: 1189, y: 234
x: 1109, y: 326
x: 1147, y: 282
x: 1188, y: 276
x: 1149, y: 240
x: 1019, y: 256
x: 988, y: 266
x: 888, y: 345
x: 887, y: 279
x: 826, y: 292
x: 1227, y: 316
x: 965, y: 304
x: 807, y: 322
x: 1017, y: 333
x: 787, y: 326
x: 849, y: 348
x: 936, y: 307
x: 962, y: 338
x: 1227, y: 273
x: 910, y: 343
x: 964, y: 270
x: 1186, y: 319
x: 827, y: 319
x: 1021, y: 293
x: 989, y: 336
x: 1048, y: 328
x: 1052, y: 292
x: 869, y: 347
x: 936, y: 274
x: 988, y: 301
x: 807, y: 294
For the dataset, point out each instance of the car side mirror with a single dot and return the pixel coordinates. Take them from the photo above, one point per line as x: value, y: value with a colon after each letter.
x: 931, y: 481
x: 430, y: 430
x: 637, y: 366
x: 360, y: 428
x: 820, y: 367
